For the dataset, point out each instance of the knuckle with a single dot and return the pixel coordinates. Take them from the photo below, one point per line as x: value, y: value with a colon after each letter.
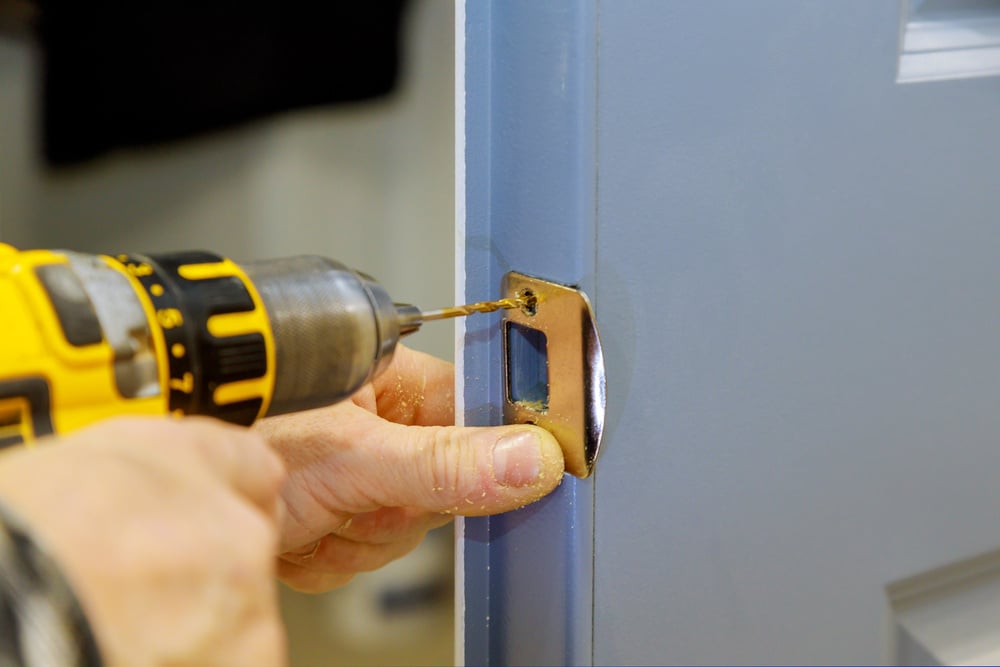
x: 275, y: 467
x: 250, y: 562
x: 453, y: 470
x: 251, y: 447
x: 241, y: 530
x: 260, y: 532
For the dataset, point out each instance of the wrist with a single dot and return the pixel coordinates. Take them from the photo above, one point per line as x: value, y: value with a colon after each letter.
x: 42, y: 620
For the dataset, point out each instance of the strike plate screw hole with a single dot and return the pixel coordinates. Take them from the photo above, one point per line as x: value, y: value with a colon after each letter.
x: 529, y: 302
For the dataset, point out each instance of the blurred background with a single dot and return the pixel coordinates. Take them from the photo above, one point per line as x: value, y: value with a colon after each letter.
x: 367, y: 181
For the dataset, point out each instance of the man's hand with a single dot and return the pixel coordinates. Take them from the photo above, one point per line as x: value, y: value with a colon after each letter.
x: 167, y: 531
x: 368, y: 478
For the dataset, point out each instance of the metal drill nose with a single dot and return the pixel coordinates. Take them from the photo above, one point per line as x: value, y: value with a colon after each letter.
x: 410, y: 318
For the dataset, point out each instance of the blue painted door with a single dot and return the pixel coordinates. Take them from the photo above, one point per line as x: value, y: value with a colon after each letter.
x: 787, y: 217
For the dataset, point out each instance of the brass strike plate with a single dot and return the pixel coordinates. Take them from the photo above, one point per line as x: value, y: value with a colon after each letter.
x: 554, y: 367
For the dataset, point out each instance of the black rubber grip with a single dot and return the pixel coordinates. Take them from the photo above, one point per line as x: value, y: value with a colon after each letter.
x: 208, y: 361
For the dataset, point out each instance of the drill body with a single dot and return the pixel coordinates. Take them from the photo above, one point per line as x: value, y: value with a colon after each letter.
x: 88, y: 337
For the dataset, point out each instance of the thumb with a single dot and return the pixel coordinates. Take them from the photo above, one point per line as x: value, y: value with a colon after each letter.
x: 471, y: 471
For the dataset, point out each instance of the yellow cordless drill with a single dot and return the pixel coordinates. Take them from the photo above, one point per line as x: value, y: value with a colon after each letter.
x: 86, y: 337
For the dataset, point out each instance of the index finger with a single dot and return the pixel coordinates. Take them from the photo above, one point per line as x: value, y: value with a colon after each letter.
x: 417, y: 389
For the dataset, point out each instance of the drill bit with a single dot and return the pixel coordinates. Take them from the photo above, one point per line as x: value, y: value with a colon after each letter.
x: 468, y: 309
x: 411, y: 318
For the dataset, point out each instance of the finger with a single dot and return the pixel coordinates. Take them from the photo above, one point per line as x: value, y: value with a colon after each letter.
x: 336, y: 554
x: 378, y: 526
x: 457, y: 470
x: 391, y: 524
x: 305, y: 580
x: 382, y: 526
x: 417, y: 389
x: 241, y: 458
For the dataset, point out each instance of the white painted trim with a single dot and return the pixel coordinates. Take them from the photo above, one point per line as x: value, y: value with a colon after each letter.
x: 459, y: 657
x: 949, y: 613
x: 959, y: 47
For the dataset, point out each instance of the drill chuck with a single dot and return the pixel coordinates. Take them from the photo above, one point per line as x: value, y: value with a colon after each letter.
x: 334, y: 329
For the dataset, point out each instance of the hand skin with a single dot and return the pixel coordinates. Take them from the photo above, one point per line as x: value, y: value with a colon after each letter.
x: 166, y: 530
x: 369, y: 477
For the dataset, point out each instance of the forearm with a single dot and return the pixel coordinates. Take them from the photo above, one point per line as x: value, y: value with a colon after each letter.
x: 41, y: 622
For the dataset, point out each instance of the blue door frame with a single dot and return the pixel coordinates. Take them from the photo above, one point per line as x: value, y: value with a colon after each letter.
x: 530, y: 203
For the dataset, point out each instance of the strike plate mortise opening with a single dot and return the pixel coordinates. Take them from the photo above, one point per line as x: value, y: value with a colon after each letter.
x: 554, y: 366
x: 528, y: 370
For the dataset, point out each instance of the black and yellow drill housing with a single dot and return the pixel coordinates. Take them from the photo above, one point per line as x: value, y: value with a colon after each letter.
x: 207, y: 329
